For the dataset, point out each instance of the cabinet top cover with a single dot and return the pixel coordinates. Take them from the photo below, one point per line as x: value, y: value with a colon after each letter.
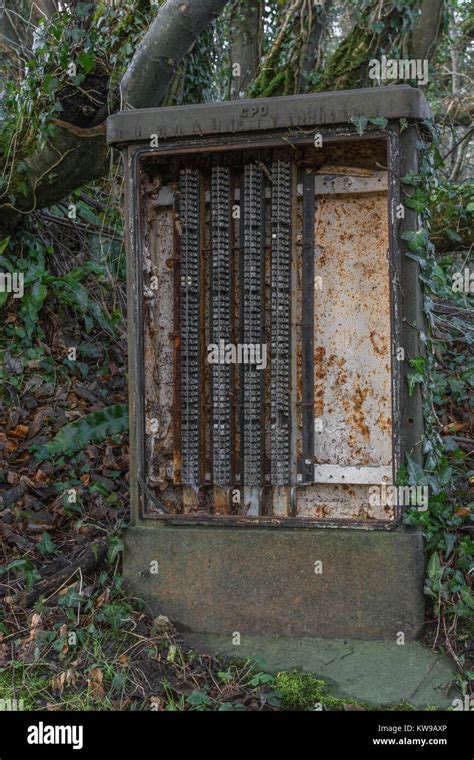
x: 326, y: 108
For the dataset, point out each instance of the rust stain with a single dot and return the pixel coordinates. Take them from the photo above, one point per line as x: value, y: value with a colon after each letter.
x: 358, y: 398
x: 379, y: 344
x: 320, y: 373
x: 319, y: 366
x: 384, y: 422
x: 319, y: 403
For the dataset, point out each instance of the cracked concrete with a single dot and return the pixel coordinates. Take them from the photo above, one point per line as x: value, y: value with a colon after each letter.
x: 376, y: 672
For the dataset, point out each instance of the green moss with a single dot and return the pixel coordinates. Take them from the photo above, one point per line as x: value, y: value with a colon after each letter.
x: 20, y: 682
x: 302, y: 691
x: 344, y: 69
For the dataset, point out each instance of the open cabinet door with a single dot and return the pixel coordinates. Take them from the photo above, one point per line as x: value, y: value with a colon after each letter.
x: 352, y: 356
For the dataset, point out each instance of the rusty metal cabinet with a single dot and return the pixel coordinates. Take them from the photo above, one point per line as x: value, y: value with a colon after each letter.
x: 269, y: 298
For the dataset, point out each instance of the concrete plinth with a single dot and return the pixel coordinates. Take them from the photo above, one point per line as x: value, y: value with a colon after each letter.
x: 323, y: 583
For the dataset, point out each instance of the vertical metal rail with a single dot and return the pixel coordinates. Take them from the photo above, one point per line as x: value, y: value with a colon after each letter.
x: 307, y: 327
x: 221, y: 323
x: 252, y: 310
x: 189, y: 308
x: 280, y: 391
x: 177, y: 452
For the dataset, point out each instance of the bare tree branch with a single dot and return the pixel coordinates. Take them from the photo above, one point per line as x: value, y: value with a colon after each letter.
x: 169, y: 38
x: 74, y: 156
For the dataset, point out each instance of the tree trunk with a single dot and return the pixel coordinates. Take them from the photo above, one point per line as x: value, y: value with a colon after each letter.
x: 246, y: 44
x: 169, y: 38
x: 348, y: 66
x: 73, y: 156
x: 426, y: 29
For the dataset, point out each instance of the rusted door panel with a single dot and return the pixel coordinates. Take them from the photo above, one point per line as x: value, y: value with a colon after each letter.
x: 326, y: 501
x: 158, y: 310
x: 352, y: 331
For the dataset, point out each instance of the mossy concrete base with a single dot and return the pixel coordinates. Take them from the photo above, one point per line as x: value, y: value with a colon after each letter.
x: 325, y: 583
x: 373, y: 672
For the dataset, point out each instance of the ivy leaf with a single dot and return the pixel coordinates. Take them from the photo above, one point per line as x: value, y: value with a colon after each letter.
x: 412, y: 178
x: 416, y: 241
x: 418, y: 200
x: 198, y: 699
x: 378, y: 121
x: 416, y: 475
x: 434, y: 570
x: 360, y: 123
x: 83, y: 9
x: 467, y: 596
x: 115, y: 547
x: 449, y: 540
x: 453, y: 235
x: 86, y: 60
x: 419, y: 364
x: 46, y: 545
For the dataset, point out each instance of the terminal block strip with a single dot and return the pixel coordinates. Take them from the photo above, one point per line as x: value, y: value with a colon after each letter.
x: 252, y: 314
x: 221, y: 324
x: 190, y: 338
x: 281, y: 324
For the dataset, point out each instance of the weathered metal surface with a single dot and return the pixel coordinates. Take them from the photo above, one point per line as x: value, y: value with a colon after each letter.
x: 340, y: 501
x: 299, y: 111
x: 333, y: 473
x: 281, y: 344
x: 327, y: 502
x: 352, y: 331
x: 200, y: 552
x: 252, y: 318
x: 307, y: 326
x: 190, y: 326
x: 221, y: 289
x: 158, y: 308
x: 326, y: 182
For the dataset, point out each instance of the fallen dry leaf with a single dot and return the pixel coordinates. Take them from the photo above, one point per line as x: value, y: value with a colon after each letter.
x: 20, y: 431
x: 95, y: 683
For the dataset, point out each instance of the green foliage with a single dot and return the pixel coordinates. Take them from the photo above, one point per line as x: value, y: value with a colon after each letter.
x: 451, y: 207
x: 300, y: 691
x: 361, y: 122
x: 22, y: 568
x: 343, y: 70
x: 303, y: 691
x: 22, y: 341
x: 46, y: 545
x: 445, y: 375
x: 93, y: 428
x: 372, y: 35
x: 98, y: 40
x: 199, y: 700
